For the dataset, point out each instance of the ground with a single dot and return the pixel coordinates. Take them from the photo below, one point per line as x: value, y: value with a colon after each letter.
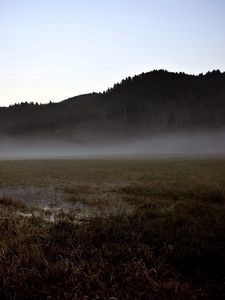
x: 113, y: 228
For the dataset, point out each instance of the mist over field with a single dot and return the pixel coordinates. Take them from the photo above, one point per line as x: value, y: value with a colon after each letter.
x: 173, y: 143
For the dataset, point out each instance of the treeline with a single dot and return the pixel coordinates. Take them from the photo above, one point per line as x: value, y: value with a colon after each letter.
x: 157, y: 101
x: 164, y: 100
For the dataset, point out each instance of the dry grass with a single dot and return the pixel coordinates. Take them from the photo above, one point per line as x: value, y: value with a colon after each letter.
x: 170, y: 246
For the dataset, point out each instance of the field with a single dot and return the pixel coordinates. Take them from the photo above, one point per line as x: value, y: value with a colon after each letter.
x: 113, y: 228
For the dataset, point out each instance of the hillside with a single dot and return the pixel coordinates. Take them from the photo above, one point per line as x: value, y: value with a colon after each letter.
x: 146, y: 104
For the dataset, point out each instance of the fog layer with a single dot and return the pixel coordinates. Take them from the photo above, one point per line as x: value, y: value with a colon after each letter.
x: 27, y: 148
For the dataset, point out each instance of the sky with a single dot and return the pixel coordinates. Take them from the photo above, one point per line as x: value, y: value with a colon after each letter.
x: 51, y: 50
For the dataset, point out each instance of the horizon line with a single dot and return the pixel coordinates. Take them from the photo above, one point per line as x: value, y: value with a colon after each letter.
x: 90, y: 93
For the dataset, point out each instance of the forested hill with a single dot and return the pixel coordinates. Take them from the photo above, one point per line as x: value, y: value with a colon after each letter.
x: 149, y: 103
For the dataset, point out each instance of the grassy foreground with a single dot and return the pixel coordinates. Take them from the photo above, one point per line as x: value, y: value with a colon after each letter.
x: 170, y: 245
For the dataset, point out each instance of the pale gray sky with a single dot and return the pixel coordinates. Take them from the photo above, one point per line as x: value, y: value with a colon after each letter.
x: 52, y: 50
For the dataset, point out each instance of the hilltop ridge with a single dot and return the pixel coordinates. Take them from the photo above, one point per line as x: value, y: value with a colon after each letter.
x: 149, y: 103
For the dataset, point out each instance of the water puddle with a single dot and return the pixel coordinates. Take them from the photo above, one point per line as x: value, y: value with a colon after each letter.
x: 52, y: 203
